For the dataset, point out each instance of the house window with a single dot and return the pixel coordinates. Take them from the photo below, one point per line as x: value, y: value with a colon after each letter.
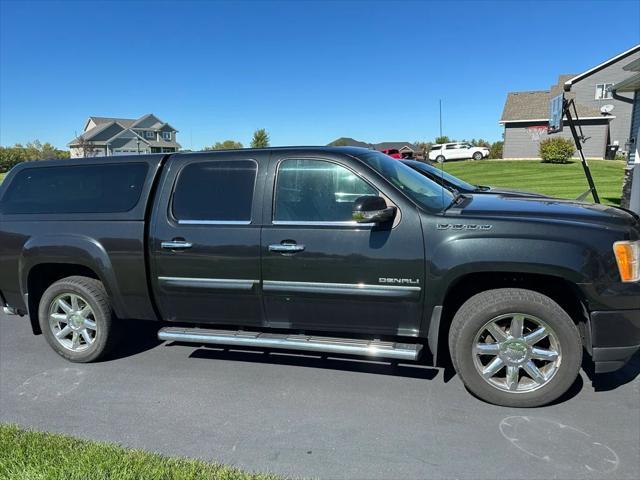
x: 166, y: 135
x: 603, y: 91
x: 149, y: 134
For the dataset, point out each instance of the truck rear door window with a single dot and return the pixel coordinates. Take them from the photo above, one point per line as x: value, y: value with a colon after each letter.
x: 220, y: 191
x: 317, y: 191
x: 107, y: 188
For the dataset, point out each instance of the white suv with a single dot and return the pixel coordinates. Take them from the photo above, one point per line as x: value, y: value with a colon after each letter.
x: 457, y: 151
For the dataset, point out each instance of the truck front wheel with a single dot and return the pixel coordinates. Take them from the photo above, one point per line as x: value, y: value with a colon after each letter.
x: 515, y: 347
x: 76, y: 319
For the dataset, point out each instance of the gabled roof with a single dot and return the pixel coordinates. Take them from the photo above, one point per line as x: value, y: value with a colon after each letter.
x: 104, y: 123
x: 597, y: 68
x: 125, y: 122
x: 396, y: 145
x: 534, y: 105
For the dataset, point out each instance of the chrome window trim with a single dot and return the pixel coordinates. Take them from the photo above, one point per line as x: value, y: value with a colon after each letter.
x: 347, y: 223
x: 214, y: 222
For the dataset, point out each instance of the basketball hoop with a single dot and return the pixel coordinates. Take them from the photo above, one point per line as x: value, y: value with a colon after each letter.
x: 537, y: 131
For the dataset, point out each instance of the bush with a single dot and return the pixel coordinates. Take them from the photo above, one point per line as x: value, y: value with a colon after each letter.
x: 556, y: 150
x: 496, y: 149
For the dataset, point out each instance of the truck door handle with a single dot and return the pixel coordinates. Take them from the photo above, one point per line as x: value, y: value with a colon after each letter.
x: 286, y: 248
x: 176, y: 245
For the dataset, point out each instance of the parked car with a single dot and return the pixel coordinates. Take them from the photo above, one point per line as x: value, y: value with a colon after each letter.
x: 457, y: 151
x: 454, y: 183
x: 340, y: 250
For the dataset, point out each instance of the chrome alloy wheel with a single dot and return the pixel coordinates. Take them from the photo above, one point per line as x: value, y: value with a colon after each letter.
x: 72, y: 322
x: 516, y: 353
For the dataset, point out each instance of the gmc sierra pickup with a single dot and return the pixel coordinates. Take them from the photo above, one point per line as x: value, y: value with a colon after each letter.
x: 340, y: 250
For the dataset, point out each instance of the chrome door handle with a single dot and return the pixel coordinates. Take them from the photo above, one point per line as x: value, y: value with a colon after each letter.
x: 176, y: 245
x: 286, y: 248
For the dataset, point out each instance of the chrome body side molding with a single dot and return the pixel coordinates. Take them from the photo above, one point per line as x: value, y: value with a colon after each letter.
x: 342, y: 289
x: 208, y: 283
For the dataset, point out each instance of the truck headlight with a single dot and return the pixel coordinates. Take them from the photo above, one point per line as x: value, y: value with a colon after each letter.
x: 628, y: 259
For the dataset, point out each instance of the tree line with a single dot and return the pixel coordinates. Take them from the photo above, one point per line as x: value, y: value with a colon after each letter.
x: 260, y: 139
x: 35, y: 150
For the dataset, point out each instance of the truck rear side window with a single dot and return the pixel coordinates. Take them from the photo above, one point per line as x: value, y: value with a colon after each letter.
x: 219, y: 191
x: 107, y: 188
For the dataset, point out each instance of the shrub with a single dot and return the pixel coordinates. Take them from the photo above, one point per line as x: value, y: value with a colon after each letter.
x: 556, y: 150
x: 496, y: 149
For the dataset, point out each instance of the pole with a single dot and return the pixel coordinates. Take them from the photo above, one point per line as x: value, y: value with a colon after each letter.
x: 578, y: 141
x: 440, y: 102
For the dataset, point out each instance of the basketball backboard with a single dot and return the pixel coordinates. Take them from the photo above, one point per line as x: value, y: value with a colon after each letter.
x: 556, y: 113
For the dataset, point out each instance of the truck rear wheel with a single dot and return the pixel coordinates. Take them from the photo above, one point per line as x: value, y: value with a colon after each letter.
x: 76, y: 319
x: 515, y: 347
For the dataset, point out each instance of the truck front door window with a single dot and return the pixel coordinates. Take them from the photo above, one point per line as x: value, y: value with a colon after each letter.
x: 317, y: 191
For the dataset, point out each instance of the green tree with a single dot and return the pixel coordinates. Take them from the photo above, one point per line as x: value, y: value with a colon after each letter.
x: 226, y: 145
x: 260, y: 139
x: 442, y: 139
x: 480, y: 143
x: 495, y: 151
x: 11, y: 156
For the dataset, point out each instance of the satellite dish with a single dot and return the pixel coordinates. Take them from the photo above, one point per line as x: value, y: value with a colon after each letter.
x: 606, y: 108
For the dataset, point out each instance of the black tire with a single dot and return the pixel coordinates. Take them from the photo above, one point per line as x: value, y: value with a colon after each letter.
x: 477, y: 156
x: 482, y: 308
x: 91, y: 291
x: 440, y: 159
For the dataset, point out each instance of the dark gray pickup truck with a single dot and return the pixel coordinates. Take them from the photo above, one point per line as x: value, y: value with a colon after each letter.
x: 339, y: 250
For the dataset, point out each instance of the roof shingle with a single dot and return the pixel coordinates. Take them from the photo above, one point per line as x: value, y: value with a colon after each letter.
x: 535, y: 105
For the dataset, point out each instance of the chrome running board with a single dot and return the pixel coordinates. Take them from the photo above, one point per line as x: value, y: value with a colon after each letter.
x: 351, y: 346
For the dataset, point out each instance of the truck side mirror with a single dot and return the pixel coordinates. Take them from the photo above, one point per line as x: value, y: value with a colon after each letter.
x: 372, y: 209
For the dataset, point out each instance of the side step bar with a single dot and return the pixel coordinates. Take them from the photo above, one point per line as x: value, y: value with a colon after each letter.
x: 370, y: 348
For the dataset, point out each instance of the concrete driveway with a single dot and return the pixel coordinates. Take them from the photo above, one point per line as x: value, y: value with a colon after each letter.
x: 309, y: 416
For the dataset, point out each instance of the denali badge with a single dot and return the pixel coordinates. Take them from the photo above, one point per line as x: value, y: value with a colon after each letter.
x: 461, y: 226
x: 399, y: 281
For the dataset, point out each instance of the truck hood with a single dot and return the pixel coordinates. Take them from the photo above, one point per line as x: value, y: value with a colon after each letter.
x: 509, y: 192
x: 501, y: 206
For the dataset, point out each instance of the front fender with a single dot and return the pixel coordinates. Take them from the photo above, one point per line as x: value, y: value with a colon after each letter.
x: 70, y: 249
x: 457, y: 257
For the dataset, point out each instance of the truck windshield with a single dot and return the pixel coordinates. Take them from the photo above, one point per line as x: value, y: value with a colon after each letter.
x: 420, y: 189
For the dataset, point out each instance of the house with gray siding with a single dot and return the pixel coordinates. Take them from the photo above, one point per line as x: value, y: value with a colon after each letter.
x: 631, y: 86
x: 604, y: 114
x: 103, y: 136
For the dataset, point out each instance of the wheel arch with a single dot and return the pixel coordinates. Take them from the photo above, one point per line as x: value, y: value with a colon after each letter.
x: 47, y: 259
x: 564, y: 292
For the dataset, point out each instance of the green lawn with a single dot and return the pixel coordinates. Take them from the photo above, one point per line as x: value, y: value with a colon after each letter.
x: 27, y: 455
x: 557, y: 180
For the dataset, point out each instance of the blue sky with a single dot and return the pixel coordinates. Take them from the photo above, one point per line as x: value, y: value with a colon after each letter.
x: 309, y: 72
